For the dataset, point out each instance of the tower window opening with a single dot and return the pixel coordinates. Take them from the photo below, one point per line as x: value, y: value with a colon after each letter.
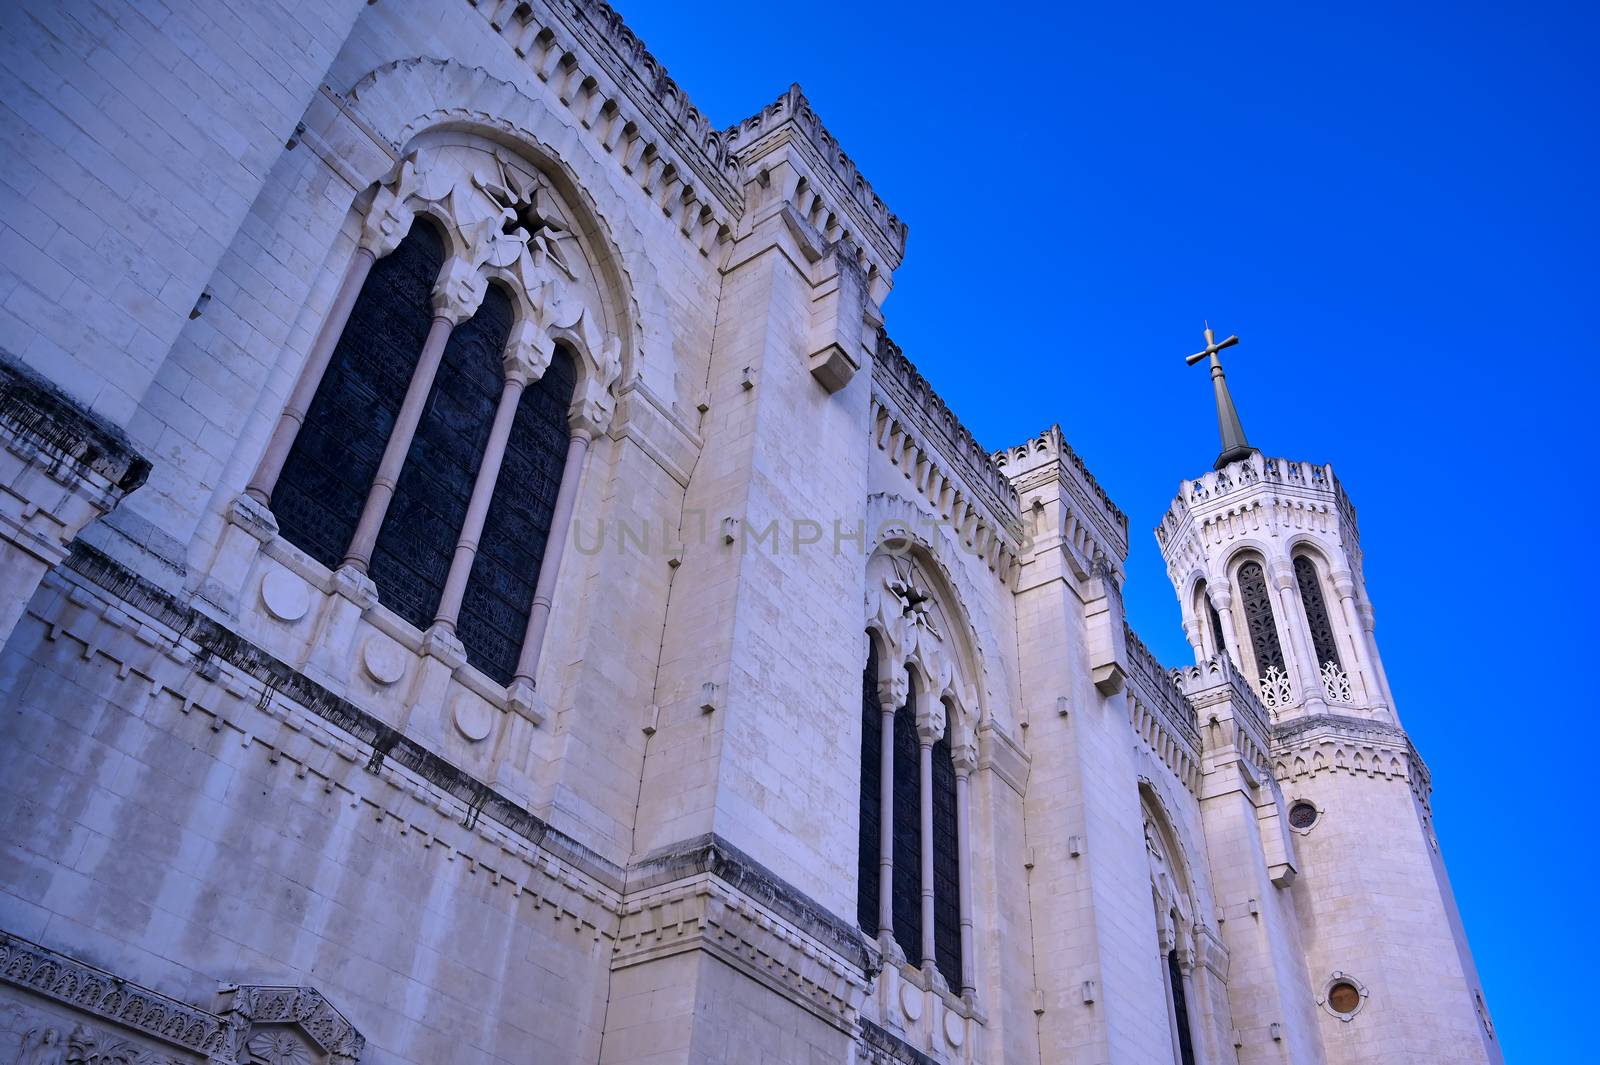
x: 1322, y: 639
x: 1259, y: 621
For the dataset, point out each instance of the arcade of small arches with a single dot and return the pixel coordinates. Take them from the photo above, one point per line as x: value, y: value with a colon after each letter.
x: 1271, y: 615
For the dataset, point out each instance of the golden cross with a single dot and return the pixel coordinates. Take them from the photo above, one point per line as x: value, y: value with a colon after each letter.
x: 1234, y: 445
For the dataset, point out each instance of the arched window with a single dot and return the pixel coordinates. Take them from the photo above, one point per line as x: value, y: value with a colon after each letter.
x: 319, y: 494
x: 417, y: 541
x: 946, y: 865
x: 1180, y: 1008
x: 1257, y: 605
x: 1205, y: 608
x: 870, y: 836
x: 1322, y: 639
x: 494, y: 611
x: 907, y: 850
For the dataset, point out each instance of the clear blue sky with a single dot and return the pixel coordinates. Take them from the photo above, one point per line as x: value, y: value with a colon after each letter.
x: 1395, y: 209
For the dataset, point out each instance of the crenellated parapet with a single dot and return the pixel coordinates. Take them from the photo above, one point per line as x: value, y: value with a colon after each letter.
x: 1160, y: 714
x: 940, y: 455
x: 1338, y: 743
x: 1091, y: 523
x: 621, y: 94
x: 854, y: 209
x: 1226, y: 703
x: 1256, y: 496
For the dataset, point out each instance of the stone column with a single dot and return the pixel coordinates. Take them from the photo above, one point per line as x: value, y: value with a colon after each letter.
x: 930, y: 726
x: 527, y: 356
x: 316, y: 365
x: 965, y: 758
x: 1291, y: 617
x: 1368, y: 623
x: 892, y: 693
x: 1195, y: 633
x: 456, y: 296
x: 1344, y: 586
x: 1222, y: 599
x: 560, y: 522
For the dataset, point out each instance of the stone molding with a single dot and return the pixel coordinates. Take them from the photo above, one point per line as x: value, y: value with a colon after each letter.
x: 621, y: 95
x: 910, y: 397
x: 1338, y: 743
x: 246, y: 671
x: 1160, y: 714
x: 218, y: 1038
x: 880, y: 1046
x: 1090, y: 513
x: 62, y: 465
x: 770, y: 127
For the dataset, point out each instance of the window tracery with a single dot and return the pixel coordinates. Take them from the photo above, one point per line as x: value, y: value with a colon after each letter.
x: 1259, y: 620
x: 1317, y: 619
x: 431, y: 449
x: 922, y: 644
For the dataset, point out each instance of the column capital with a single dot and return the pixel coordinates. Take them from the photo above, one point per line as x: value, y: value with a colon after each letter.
x: 930, y: 722
x: 528, y: 353
x: 459, y: 290
x: 1344, y: 583
x: 893, y: 691
x: 965, y: 758
x: 1282, y: 572
x: 1221, y: 596
x: 390, y: 217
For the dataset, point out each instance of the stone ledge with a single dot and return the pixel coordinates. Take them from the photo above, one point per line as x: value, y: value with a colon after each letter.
x: 884, y: 1046
x: 712, y: 854
x: 34, y: 410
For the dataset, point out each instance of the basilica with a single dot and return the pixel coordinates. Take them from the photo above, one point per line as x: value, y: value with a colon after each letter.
x: 482, y: 584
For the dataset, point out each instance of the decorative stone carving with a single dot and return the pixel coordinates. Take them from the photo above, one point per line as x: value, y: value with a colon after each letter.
x: 285, y: 595
x: 385, y: 660
x: 390, y: 216
x: 473, y: 717
x: 279, y: 1047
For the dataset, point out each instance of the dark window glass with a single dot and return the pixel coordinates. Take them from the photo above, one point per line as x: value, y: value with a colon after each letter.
x: 319, y: 495
x: 907, y: 851
x: 946, y: 866
x: 423, y: 523
x: 1302, y: 815
x: 1180, y: 1007
x: 499, y: 595
x: 1258, y: 617
x: 871, y: 797
x: 1322, y: 641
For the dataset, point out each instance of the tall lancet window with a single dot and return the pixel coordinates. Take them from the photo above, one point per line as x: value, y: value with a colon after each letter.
x: 946, y: 865
x: 494, y: 611
x: 1258, y: 618
x: 1322, y: 639
x: 871, y: 796
x: 907, y: 850
x: 1202, y: 600
x: 414, y: 547
x: 1180, y: 1009
x: 318, y: 497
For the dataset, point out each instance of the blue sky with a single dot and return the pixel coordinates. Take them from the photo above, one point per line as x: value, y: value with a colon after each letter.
x: 1395, y: 209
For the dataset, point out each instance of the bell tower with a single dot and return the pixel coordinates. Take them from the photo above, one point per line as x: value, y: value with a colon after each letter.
x: 1265, y: 557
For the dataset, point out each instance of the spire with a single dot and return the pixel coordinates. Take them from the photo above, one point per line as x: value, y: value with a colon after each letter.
x: 1234, y: 445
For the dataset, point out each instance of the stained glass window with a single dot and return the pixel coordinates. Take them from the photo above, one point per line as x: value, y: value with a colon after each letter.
x: 946, y: 866
x: 423, y: 523
x: 907, y: 851
x: 499, y: 595
x: 871, y: 796
x: 319, y: 495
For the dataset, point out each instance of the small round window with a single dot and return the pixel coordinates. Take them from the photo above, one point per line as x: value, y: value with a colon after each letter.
x: 1302, y: 815
x: 1344, y: 998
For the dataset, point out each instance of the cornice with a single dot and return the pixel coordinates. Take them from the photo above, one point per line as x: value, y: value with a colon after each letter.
x: 974, y: 470
x: 1024, y: 461
x: 770, y: 127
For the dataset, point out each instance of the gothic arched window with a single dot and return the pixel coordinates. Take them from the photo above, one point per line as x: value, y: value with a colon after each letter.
x: 946, y: 865
x: 870, y: 836
x: 1203, y: 603
x: 1322, y: 639
x: 1257, y: 605
x: 505, y: 573
x: 417, y: 541
x: 907, y: 850
x: 1180, y: 1009
x: 319, y: 494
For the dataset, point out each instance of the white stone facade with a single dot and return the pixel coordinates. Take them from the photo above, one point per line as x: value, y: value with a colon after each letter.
x: 252, y: 814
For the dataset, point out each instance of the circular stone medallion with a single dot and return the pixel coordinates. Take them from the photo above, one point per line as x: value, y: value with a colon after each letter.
x: 473, y: 717
x: 384, y: 659
x: 954, y: 1029
x: 285, y: 596
x: 911, y: 1000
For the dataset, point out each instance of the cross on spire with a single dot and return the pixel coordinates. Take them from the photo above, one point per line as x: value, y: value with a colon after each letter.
x: 1234, y: 445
